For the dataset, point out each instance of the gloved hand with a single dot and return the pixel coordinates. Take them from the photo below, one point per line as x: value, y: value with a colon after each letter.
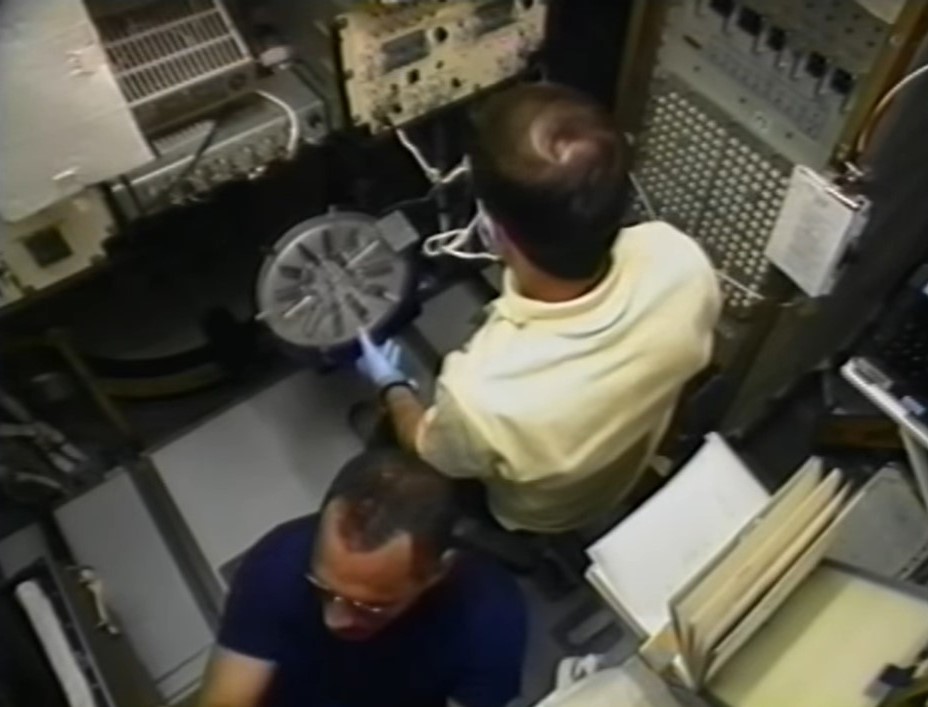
x: 380, y: 364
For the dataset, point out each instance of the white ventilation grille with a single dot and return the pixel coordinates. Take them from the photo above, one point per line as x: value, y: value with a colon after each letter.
x: 166, y: 46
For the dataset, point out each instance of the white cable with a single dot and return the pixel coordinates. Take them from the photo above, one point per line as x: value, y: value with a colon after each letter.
x: 750, y: 292
x: 645, y: 201
x: 435, y: 176
x: 293, y: 141
x: 455, y: 241
x: 866, y: 133
x: 452, y: 243
x: 446, y: 242
x: 430, y: 172
x: 459, y: 171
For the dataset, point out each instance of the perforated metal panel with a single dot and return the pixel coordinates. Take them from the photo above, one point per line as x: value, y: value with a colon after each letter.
x: 749, y: 189
x: 709, y: 178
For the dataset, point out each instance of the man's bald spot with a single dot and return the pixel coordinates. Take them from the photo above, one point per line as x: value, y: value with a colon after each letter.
x: 557, y: 139
x: 550, y: 166
x: 371, y: 575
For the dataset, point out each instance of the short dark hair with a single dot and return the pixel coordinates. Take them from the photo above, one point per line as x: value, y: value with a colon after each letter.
x: 551, y: 166
x: 386, y: 493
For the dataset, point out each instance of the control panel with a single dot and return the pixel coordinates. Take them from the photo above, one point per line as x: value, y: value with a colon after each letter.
x: 246, y: 138
x: 385, y: 66
x: 739, y: 93
x: 788, y: 71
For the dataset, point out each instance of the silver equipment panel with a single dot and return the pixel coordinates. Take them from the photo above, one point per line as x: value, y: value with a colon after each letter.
x: 789, y: 72
x: 739, y: 93
x: 250, y: 134
x: 173, y: 58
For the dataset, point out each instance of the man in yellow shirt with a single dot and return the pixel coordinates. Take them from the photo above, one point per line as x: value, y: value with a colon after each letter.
x: 559, y: 400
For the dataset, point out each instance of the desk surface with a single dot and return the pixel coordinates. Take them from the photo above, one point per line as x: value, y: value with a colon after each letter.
x: 827, y: 644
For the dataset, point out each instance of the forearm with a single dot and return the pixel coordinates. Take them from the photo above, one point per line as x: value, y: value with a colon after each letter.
x: 235, y: 680
x: 229, y: 695
x: 405, y: 411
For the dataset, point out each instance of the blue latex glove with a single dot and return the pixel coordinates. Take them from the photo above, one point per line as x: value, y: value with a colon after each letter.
x: 381, y: 364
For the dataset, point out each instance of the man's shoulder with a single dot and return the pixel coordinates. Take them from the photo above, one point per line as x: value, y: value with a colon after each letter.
x: 672, y: 262
x: 283, y: 550
x: 486, y: 589
x: 267, y: 589
x: 666, y: 239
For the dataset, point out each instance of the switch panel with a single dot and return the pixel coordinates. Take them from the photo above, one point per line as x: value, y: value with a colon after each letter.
x: 739, y: 93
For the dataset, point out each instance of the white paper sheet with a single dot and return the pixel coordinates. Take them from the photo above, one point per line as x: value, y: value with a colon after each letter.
x: 648, y: 557
x: 64, y: 123
x: 812, y: 232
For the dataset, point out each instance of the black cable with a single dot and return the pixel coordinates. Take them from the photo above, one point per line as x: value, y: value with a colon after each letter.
x: 189, y: 167
x: 416, y: 201
x: 133, y: 195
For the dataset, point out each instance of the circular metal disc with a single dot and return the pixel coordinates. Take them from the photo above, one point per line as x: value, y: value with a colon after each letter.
x: 328, y: 277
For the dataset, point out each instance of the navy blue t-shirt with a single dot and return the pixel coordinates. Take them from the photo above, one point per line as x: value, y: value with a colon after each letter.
x: 464, y: 640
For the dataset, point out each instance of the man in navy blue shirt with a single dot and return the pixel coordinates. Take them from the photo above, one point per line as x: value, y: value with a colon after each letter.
x: 366, y: 605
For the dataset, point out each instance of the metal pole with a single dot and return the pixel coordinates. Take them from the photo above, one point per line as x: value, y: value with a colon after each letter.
x: 918, y: 458
x: 196, y: 570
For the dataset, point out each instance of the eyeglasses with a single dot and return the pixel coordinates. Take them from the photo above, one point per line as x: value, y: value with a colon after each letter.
x: 359, y: 606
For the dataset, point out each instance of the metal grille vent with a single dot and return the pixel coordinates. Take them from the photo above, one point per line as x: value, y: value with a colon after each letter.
x: 711, y: 180
x: 160, y: 48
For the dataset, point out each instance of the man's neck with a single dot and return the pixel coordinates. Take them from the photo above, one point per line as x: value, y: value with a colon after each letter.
x: 537, y: 285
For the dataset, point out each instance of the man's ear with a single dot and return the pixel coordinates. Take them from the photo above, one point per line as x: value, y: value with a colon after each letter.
x: 504, y: 244
x: 445, y: 564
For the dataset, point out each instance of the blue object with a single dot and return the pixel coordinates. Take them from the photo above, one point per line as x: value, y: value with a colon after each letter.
x: 464, y: 640
x: 380, y: 363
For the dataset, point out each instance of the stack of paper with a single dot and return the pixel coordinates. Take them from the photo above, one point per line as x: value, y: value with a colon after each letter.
x: 704, y: 564
x: 643, y: 561
x: 723, y: 606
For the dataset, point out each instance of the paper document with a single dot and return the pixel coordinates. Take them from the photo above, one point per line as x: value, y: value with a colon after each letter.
x: 812, y: 232
x: 652, y: 553
x: 64, y: 124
